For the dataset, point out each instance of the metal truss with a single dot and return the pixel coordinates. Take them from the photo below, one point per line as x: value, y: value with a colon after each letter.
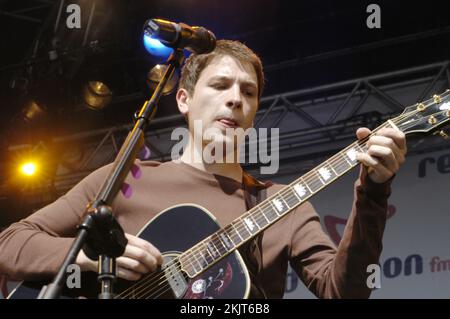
x: 314, y: 123
x: 73, y: 47
x: 24, y: 13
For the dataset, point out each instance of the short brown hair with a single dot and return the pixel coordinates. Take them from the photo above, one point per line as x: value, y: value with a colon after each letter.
x: 196, y: 63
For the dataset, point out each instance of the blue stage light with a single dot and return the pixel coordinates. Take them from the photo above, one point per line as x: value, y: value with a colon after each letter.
x: 156, y: 48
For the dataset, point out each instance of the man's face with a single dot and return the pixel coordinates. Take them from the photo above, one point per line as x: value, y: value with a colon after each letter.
x: 225, y: 96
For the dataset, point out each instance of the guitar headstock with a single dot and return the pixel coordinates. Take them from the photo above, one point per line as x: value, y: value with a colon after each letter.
x: 426, y: 116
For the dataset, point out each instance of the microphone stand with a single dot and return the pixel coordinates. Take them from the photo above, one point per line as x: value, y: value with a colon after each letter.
x: 100, y: 233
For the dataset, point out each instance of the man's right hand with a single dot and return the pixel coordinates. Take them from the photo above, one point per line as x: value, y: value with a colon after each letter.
x: 140, y: 257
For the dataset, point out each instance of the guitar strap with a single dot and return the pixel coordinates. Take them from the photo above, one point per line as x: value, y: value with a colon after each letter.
x: 254, y: 193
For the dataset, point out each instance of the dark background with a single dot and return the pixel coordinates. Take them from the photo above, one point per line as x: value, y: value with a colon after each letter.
x: 302, y: 44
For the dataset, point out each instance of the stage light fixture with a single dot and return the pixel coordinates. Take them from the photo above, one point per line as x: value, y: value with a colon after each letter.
x: 28, y: 168
x: 156, y: 48
x: 32, y: 111
x: 96, y: 95
x: 156, y: 73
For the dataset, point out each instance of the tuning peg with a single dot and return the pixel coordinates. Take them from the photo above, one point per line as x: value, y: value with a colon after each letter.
x: 432, y: 119
x: 442, y: 134
x: 437, y: 98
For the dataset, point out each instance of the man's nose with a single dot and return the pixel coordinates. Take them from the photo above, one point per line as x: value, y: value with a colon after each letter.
x: 234, y: 98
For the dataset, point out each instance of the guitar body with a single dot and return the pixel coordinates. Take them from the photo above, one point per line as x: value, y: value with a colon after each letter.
x: 173, y: 231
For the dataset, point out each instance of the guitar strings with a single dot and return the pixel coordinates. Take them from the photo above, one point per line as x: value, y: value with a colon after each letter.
x: 406, y: 126
x: 256, y: 218
x: 146, y: 282
x: 219, y: 245
x: 248, y: 213
x: 193, y: 249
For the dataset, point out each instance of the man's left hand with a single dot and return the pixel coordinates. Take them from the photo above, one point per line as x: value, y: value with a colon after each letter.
x: 386, y: 152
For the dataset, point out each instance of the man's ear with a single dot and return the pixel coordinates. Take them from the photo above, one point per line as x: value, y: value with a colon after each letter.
x: 183, y: 101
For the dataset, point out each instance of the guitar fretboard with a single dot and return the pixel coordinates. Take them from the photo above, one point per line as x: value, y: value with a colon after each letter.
x: 207, y: 252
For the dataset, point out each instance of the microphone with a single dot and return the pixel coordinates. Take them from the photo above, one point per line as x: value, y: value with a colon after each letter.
x: 180, y: 35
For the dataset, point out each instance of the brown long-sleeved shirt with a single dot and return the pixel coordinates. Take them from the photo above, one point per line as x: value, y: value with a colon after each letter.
x: 35, y: 247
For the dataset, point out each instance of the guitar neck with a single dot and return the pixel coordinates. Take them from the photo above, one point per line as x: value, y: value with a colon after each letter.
x: 221, y: 243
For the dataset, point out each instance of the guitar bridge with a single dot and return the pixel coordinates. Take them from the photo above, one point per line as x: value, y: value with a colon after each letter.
x: 174, y: 277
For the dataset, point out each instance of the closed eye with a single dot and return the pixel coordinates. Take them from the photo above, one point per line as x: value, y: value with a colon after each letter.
x: 220, y: 86
x: 250, y: 91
